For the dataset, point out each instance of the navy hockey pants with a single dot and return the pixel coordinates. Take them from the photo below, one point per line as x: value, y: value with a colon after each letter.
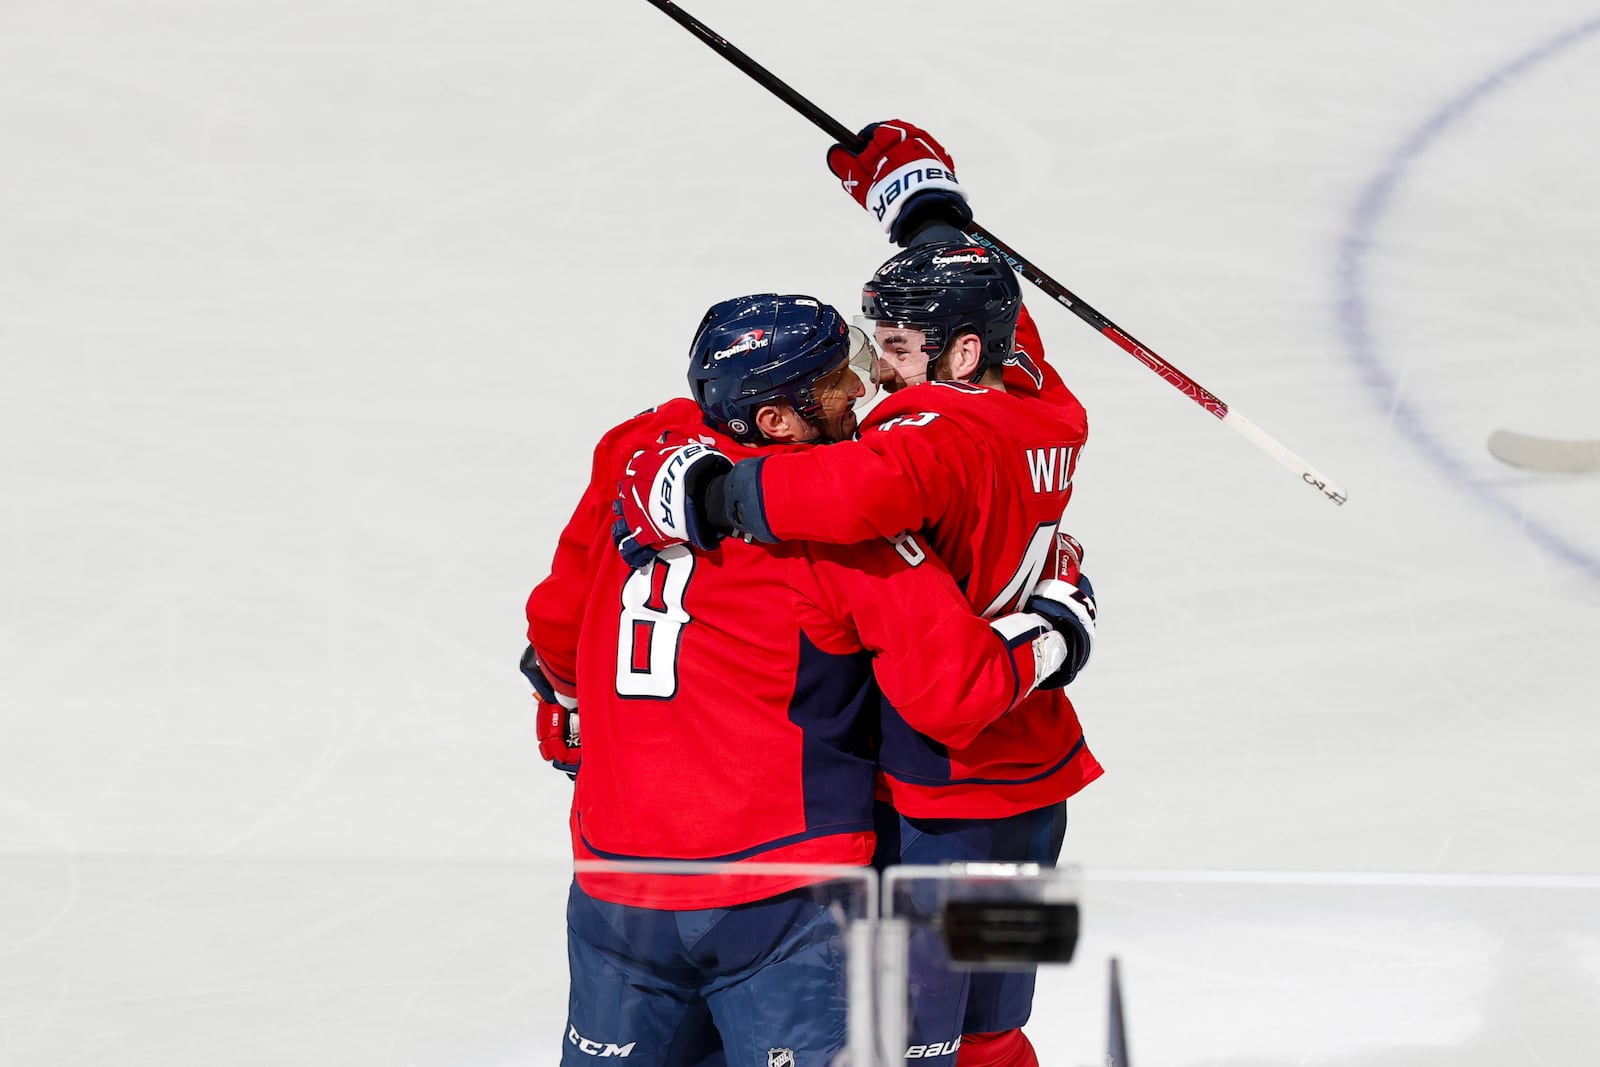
x: 946, y: 1003
x: 771, y: 976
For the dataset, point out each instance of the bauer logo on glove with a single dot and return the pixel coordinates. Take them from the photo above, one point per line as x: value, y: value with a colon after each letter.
x: 910, y: 178
x: 668, y: 480
x: 656, y: 499
x: 897, y: 163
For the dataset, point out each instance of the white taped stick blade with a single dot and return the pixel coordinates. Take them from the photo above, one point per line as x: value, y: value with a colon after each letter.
x: 1278, y: 451
x: 1548, y: 454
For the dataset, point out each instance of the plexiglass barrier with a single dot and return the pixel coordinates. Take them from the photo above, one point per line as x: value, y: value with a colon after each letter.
x: 785, y: 956
x: 950, y: 934
x: 260, y: 961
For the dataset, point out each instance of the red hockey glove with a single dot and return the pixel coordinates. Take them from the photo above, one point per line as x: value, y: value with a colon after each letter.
x: 557, y: 724
x: 558, y: 736
x: 1068, y: 558
x: 902, y: 176
x: 656, y: 501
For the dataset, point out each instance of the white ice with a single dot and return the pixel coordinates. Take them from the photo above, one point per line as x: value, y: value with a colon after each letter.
x: 310, y: 314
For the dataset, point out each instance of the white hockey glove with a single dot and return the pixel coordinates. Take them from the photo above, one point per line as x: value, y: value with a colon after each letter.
x: 1071, y: 610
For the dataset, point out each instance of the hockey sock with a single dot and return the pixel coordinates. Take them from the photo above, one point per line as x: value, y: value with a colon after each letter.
x: 1007, y: 1048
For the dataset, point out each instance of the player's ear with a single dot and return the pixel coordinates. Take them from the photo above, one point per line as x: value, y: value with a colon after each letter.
x: 780, y: 422
x: 964, y: 356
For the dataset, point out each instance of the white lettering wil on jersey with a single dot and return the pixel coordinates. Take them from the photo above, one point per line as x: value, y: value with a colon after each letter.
x: 1051, y: 468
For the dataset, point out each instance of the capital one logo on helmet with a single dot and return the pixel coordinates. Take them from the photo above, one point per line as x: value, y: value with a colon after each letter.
x: 962, y: 255
x: 752, y: 340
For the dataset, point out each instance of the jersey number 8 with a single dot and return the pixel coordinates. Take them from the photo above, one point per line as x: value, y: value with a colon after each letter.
x: 653, y: 618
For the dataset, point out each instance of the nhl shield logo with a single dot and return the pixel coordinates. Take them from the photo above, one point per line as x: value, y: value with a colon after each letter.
x: 780, y: 1057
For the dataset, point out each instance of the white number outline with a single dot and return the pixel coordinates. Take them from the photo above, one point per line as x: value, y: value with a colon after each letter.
x: 921, y: 418
x: 1010, y: 598
x: 653, y: 612
x: 905, y: 543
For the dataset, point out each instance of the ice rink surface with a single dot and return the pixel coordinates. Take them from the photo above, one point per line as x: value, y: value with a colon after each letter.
x: 311, y: 313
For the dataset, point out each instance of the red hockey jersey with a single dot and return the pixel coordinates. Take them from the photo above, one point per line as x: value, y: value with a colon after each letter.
x: 726, y: 698
x: 1026, y: 372
x: 986, y: 475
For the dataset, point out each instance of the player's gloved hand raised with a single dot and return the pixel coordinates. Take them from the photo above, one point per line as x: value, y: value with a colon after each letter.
x: 656, y: 504
x: 903, y: 176
x: 1066, y: 599
x: 557, y: 724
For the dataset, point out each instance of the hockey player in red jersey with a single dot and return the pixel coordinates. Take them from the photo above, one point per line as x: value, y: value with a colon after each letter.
x: 727, y: 706
x: 978, y: 452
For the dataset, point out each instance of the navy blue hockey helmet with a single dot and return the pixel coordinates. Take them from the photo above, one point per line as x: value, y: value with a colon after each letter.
x: 753, y: 350
x: 944, y: 289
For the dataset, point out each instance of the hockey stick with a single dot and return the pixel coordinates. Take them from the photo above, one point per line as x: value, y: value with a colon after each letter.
x: 1116, y: 1027
x: 1545, y: 454
x: 1055, y: 290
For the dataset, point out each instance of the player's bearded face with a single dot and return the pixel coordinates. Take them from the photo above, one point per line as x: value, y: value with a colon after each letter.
x: 835, y: 395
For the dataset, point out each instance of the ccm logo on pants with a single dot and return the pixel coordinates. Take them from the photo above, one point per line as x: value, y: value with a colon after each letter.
x: 601, y: 1049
